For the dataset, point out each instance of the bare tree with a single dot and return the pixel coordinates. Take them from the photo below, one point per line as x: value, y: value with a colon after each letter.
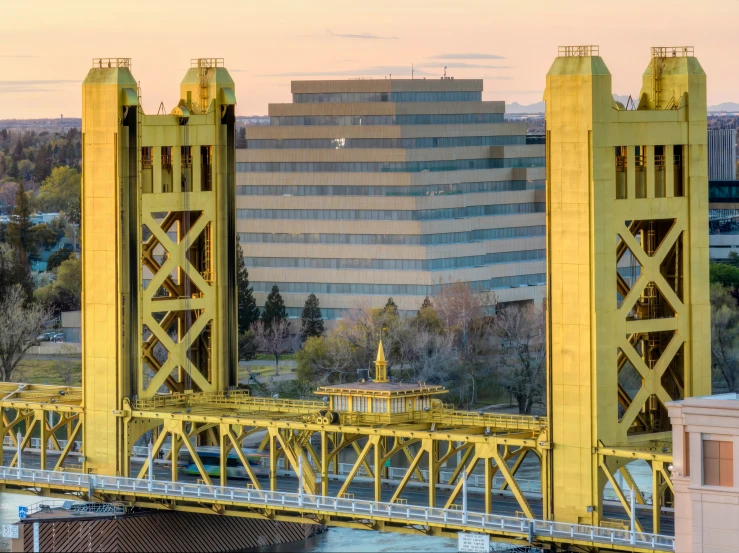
x: 275, y: 339
x: 431, y: 356
x: 519, y: 333
x: 465, y: 313
x: 724, y: 338
x: 20, y: 326
x: 68, y: 370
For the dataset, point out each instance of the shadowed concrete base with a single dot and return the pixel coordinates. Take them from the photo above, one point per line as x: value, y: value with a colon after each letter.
x: 157, y: 531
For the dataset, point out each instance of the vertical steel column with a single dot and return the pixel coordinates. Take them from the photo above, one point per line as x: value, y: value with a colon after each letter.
x: 173, y: 454
x: 656, y: 496
x: 324, y: 463
x: 488, y: 485
x: 378, y: 469
x: 272, y: 462
x: 224, y: 454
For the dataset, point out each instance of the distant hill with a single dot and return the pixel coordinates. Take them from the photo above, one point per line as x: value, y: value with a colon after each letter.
x: 538, y: 107
x: 725, y: 106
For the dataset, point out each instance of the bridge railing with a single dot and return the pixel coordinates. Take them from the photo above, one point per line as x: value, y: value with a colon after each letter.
x: 512, y: 526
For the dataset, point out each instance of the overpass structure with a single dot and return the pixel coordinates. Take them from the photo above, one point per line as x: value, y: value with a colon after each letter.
x: 159, y: 356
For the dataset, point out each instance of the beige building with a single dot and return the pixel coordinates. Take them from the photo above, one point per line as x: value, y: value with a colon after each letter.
x: 705, y: 438
x: 364, y: 189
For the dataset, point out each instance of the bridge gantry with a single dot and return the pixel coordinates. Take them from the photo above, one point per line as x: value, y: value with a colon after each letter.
x: 627, y: 293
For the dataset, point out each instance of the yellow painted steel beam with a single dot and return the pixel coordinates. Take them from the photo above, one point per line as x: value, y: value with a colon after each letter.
x: 619, y: 493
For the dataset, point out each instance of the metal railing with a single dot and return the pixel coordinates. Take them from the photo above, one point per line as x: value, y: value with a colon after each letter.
x: 672, y: 51
x: 511, y: 526
x: 578, y: 51
x: 474, y: 481
x: 77, y: 507
x: 394, y: 473
x: 111, y: 62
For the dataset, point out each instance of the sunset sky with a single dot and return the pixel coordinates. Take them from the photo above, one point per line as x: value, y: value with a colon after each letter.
x: 48, y: 45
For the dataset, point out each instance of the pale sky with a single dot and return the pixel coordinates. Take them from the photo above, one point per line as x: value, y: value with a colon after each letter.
x: 48, y: 45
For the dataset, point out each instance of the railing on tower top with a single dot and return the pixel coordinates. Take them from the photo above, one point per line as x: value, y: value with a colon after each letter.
x: 673, y: 51
x: 101, y: 63
x: 206, y: 62
x: 578, y: 51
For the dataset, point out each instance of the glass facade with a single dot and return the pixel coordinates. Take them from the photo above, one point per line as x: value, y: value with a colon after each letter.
x: 430, y: 190
x: 723, y: 191
x: 391, y: 215
x: 395, y: 289
x: 347, y: 97
x: 396, y: 264
x: 394, y: 239
x: 387, y: 143
x: 421, y: 119
x: 386, y: 166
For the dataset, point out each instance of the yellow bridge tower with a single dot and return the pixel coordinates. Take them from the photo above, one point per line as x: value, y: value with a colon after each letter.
x: 158, y: 274
x: 627, y: 254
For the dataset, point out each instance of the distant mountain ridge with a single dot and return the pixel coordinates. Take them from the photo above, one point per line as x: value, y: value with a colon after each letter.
x: 538, y: 107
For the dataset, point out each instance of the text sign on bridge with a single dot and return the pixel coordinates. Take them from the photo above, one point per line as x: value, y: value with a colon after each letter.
x: 473, y: 543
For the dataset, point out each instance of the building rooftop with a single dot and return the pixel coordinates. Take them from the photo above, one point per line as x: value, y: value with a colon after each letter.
x: 381, y: 388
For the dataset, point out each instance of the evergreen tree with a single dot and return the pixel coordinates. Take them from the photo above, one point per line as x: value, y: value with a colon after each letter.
x: 274, y: 308
x: 390, y: 308
x: 13, y: 171
x: 19, y: 238
x: 426, y: 304
x: 43, y: 164
x: 19, y: 235
x: 248, y: 310
x: 311, y: 320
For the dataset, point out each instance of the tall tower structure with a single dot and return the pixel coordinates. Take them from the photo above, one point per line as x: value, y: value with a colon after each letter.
x: 627, y: 255
x: 159, y: 280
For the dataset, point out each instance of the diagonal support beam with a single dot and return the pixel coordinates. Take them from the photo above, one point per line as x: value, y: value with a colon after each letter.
x: 362, y: 456
x: 619, y: 493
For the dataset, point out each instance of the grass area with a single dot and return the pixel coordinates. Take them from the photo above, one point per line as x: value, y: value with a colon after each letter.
x: 46, y: 371
x: 269, y: 357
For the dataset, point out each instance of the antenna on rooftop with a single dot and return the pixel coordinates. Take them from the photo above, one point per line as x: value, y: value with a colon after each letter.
x: 445, y: 71
x: 412, y: 71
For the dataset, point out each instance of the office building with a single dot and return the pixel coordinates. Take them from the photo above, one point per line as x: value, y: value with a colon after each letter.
x: 360, y: 190
x: 722, y: 154
x: 705, y: 446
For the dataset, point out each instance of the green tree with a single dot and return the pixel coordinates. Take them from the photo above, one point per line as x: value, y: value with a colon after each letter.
x: 20, y: 238
x: 56, y: 258
x: 60, y: 191
x: 247, y: 345
x: 43, y: 163
x: 65, y: 293
x: 733, y: 259
x: 274, y: 308
x: 25, y: 169
x: 311, y: 320
x: 724, y: 274
x: 326, y: 359
x: 390, y: 308
x: 248, y: 310
x: 13, y: 172
x: 428, y: 319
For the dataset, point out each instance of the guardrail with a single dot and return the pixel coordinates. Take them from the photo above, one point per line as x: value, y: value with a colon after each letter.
x: 394, y: 473
x: 530, y: 529
x: 473, y: 480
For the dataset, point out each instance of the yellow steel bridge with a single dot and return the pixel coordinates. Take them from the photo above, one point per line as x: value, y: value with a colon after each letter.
x: 626, y: 210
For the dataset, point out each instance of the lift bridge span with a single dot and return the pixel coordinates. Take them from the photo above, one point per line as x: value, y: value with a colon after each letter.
x: 627, y: 301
